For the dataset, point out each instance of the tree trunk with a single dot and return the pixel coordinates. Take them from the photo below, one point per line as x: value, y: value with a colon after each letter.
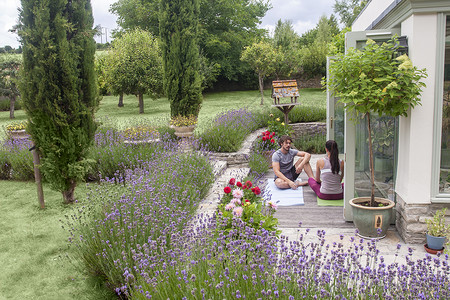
x: 69, y: 194
x: 261, y: 88
x: 372, y: 175
x: 12, y: 102
x: 120, y: 100
x: 141, y: 103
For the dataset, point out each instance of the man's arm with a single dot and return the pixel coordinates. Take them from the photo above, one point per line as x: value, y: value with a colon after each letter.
x: 306, y: 157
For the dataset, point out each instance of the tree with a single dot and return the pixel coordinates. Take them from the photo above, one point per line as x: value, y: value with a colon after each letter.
x: 134, y: 66
x: 178, y: 26
x: 348, y: 10
x: 261, y: 57
x: 9, y: 79
x: 225, y: 28
x: 285, y: 40
x: 58, y: 87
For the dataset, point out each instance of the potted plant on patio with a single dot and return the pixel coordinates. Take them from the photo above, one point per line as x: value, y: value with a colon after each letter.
x: 375, y: 81
x: 437, y: 232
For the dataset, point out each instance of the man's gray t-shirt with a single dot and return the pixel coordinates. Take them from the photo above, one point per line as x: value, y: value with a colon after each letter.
x: 286, y: 160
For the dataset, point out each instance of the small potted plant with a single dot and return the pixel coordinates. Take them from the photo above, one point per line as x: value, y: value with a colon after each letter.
x: 184, y: 125
x: 437, y: 232
x: 375, y: 81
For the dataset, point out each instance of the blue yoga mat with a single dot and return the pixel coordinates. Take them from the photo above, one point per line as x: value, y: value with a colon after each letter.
x: 284, y: 197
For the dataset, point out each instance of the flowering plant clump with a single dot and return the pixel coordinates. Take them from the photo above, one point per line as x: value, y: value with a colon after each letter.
x: 244, y: 201
x: 276, y: 128
x: 180, y: 120
x: 140, y: 133
x: 17, y: 126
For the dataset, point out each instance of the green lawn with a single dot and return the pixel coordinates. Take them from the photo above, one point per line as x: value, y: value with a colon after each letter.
x: 158, y: 111
x: 33, y: 245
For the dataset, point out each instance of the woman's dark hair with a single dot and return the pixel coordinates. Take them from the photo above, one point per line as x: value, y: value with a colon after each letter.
x: 332, y: 147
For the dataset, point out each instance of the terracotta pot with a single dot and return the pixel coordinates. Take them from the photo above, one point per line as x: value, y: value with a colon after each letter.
x: 372, y: 222
x: 433, y: 251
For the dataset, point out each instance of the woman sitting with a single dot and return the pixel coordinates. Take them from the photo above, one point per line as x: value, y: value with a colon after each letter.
x: 329, y: 173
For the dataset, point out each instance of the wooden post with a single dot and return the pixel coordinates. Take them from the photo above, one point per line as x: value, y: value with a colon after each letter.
x: 37, y: 176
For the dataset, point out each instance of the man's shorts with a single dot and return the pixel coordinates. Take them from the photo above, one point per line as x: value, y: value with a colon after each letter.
x: 291, y: 175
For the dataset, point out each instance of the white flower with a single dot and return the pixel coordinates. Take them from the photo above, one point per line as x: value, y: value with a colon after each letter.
x: 229, y: 206
x: 237, y: 193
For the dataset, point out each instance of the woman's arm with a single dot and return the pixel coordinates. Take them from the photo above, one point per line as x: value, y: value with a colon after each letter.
x: 342, y: 170
x: 319, y: 166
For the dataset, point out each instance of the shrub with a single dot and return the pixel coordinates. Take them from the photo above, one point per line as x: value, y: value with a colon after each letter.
x: 301, y: 114
x: 312, y: 144
x: 149, y: 207
x: 4, y: 104
x: 229, y: 129
x: 16, y: 161
x: 258, y: 163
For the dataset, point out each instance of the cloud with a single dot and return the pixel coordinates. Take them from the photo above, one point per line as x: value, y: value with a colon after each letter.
x: 304, y: 14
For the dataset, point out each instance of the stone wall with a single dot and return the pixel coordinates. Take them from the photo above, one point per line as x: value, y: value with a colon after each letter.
x: 311, y: 128
x: 410, y: 222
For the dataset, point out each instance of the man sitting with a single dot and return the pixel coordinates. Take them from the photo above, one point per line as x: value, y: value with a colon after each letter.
x: 286, y: 173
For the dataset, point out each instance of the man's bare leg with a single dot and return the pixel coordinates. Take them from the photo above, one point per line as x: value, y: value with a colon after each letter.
x: 281, y: 184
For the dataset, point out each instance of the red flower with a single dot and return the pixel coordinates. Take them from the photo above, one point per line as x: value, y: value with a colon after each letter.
x: 239, y: 184
x: 246, y: 200
x: 272, y: 141
x: 273, y: 133
x: 264, y: 138
x: 227, y: 190
x: 249, y: 184
x: 232, y: 181
x: 267, y: 132
x: 244, y: 187
x: 257, y: 191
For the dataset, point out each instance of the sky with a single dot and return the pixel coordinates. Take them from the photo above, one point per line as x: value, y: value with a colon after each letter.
x: 304, y: 15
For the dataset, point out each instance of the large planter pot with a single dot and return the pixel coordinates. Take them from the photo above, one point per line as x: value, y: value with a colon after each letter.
x: 435, y: 242
x: 18, y: 134
x: 183, y: 131
x: 372, y: 222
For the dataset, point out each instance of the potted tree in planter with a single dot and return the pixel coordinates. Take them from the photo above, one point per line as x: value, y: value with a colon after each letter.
x: 375, y: 80
x: 437, y: 232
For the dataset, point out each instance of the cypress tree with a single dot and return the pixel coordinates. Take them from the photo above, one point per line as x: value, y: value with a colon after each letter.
x: 58, y: 86
x: 178, y: 27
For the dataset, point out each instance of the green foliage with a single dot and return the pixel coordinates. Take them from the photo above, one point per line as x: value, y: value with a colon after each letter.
x: 59, y: 88
x: 437, y: 226
x: 312, y: 144
x: 314, y: 59
x: 178, y: 24
x: 134, y: 66
x: 258, y: 163
x: 225, y: 28
x: 348, y: 10
x: 9, y: 79
x: 375, y: 80
x: 243, y: 201
x: 337, y: 44
x: 100, y: 70
x: 5, y: 104
x: 262, y: 57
